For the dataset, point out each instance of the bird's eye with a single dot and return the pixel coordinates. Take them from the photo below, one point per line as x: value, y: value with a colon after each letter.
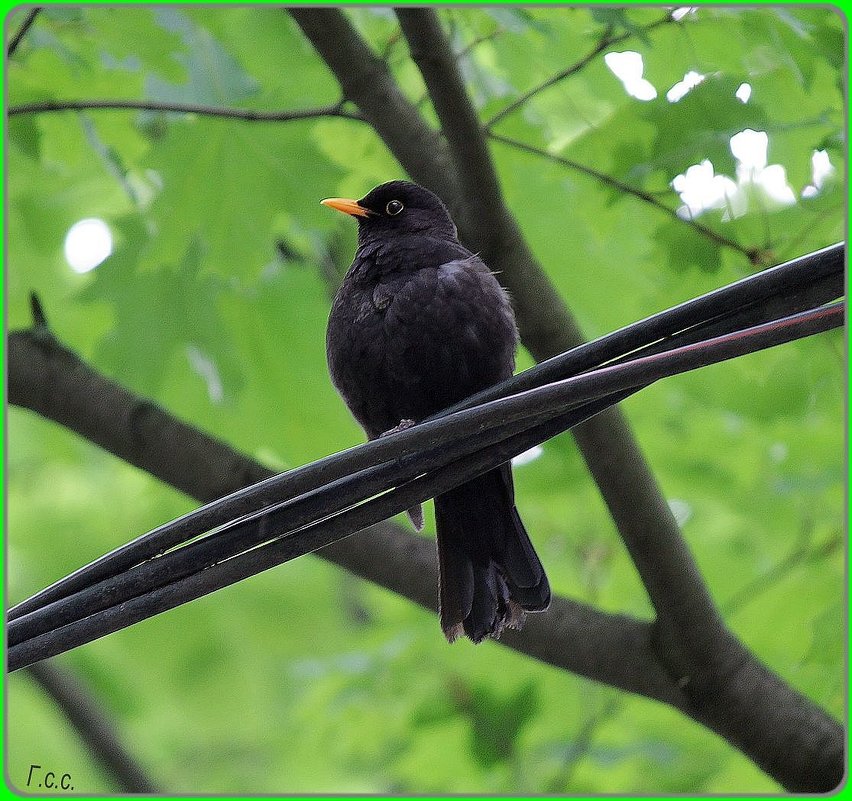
x: 394, y: 207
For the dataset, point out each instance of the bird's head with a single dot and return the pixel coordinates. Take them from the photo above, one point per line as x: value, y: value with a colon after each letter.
x: 397, y: 208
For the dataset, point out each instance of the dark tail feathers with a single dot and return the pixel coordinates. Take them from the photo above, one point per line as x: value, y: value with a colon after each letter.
x: 489, y: 572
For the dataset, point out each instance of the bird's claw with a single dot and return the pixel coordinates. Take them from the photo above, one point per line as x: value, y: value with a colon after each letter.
x: 415, y: 513
x: 403, y: 425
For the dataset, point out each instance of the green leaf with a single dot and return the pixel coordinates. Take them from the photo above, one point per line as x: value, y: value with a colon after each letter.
x: 163, y: 315
x: 213, y: 76
x: 682, y: 248
x: 620, y: 21
x: 25, y: 134
x: 139, y: 40
x: 700, y: 126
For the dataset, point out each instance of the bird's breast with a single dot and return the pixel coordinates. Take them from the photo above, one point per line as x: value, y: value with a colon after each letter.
x: 382, y: 296
x: 409, y: 342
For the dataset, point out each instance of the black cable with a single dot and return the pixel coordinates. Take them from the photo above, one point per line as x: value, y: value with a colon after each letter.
x: 788, y: 288
x: 289, y: 544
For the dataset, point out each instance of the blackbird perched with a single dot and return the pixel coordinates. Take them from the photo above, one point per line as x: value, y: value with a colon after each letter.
x: 418, y: 324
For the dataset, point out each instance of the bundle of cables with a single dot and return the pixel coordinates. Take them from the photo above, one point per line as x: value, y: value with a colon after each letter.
x: 304, y: 509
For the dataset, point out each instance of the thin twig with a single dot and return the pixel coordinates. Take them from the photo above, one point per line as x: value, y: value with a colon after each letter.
x: 37, y: 311
x: 801, y: 553
x: 22, y: 31
x: 246, y: 114
x: 817, y: 217
x: 581, y: 745
x: 754, y: 255
x: 478, y: 40
x: 608, y: 40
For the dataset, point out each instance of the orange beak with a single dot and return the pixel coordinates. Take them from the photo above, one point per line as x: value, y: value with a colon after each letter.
x: 346, y: 206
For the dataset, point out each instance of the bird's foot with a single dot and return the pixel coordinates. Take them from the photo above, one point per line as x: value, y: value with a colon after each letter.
x: 415, y: 513
x: 403, y: 426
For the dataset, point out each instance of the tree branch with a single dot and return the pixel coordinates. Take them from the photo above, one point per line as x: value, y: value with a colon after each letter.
x: 434, y: 57
x: 29, y: 19
x: 684, y: 607
x: 245, y: 114
x: 607, y: 40
x: 96, y: 730
x: 802, y: 552
x: 366, y: 81
x: 755, y: 255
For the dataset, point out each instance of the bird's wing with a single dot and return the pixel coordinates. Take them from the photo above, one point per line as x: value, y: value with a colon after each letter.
x: 449, y: 331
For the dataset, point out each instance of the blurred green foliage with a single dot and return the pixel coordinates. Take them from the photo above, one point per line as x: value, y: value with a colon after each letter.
x: 304, y: 679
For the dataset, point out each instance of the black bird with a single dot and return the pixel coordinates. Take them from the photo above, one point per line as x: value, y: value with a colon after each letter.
x: 418, y: 324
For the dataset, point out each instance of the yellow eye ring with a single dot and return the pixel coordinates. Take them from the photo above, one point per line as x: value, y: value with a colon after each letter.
x: 394, y: 207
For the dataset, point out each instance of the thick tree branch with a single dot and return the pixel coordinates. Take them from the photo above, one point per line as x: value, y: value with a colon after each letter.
x: 245, y: 114
x: 642, y: 514
x: 96, y: 730
x: 431, y: 51
x: 366, y: 81
x: 788, y: 736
